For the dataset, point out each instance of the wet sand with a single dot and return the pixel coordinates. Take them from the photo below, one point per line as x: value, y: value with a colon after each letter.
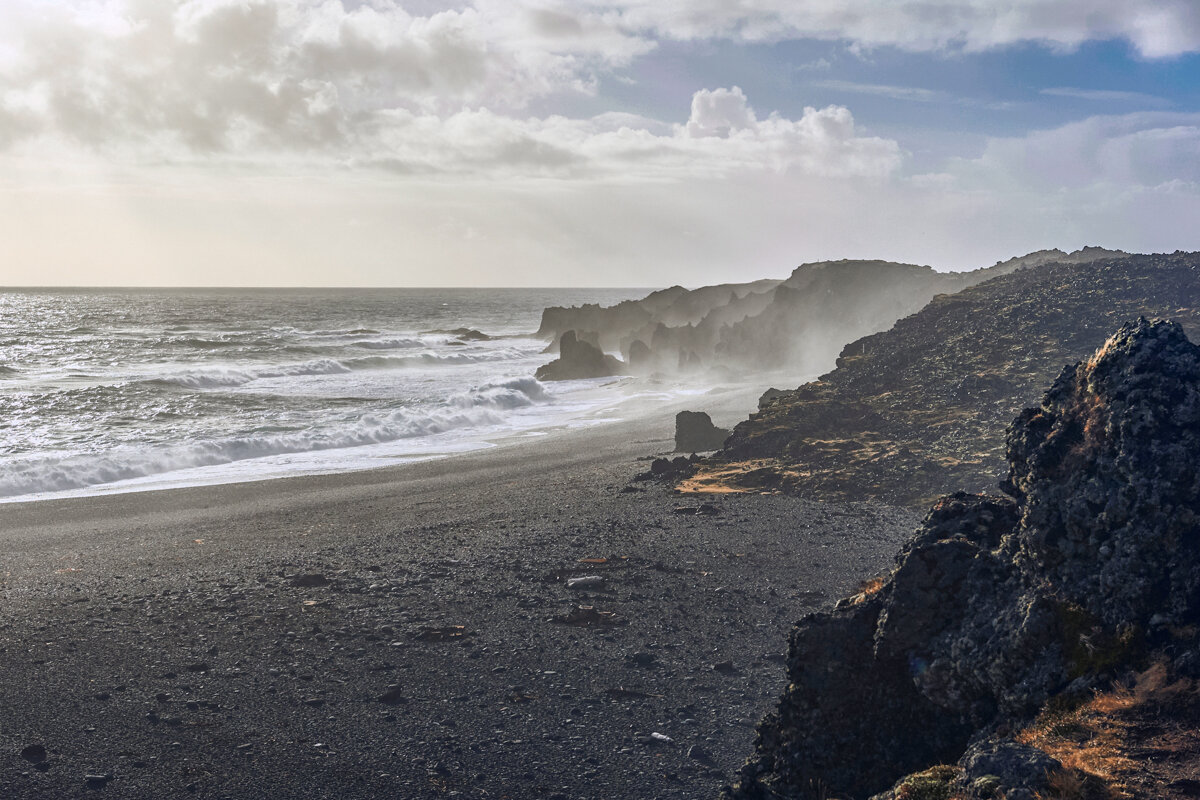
x: 177, y: 644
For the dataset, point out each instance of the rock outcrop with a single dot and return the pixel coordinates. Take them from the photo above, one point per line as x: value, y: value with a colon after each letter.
x: 920, y: 410
x: 695, y: 433
x: 998, y: 604
x: 800, y: 323
x: 579, y: 359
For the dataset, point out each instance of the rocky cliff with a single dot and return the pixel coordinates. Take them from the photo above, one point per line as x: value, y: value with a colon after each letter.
x: 800, y: 323
x: 1004, y: 606
x: 919, y: 410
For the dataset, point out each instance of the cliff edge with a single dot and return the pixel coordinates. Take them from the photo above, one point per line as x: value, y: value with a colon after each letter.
x: 919, y: 410
x: 1002, y: 609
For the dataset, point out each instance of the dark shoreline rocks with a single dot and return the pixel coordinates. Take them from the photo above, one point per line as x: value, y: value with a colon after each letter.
x: 1000, y: 603
x: 918, y: 411
x: 579, y: 359
x: 696, y: 433
x: 800, y: 323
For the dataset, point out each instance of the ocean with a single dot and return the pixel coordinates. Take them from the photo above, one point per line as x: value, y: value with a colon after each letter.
x: 105, y: 390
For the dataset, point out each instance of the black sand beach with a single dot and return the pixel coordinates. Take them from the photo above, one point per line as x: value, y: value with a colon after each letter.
x: 409, y: 632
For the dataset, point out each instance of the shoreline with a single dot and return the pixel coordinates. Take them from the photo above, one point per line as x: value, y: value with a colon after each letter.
x: 169, y: 641
x: 732, y: 402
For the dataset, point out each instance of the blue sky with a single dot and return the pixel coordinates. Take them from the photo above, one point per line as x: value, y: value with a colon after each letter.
x: 592, y: 142
x: 916, y: 96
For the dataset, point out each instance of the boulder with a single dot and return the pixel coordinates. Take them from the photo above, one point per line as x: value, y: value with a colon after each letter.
x: 579, y: 359
x: 464, y: 334
x: 695, y: 433
x: 766, y: 397
x: 999, y: 603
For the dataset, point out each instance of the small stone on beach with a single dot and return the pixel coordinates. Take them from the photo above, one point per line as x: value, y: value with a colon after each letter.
x: 34, y: 753
x: 393, y: 696
x: 585, y: 582
x: 97, y: 781
x: 311, y: 580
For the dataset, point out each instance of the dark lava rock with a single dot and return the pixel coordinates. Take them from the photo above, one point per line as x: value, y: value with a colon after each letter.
x: 766, y: 397
x: 310, y: 581
x: 466, y: 334
x: 34, y: 753
x: 919, y: 410
x: 579, y: 359
x: 695, y: 432
x: 668, y: 469
x: 394, y: 696
x: 1009, y: 765
x: 640, y: 659
x: 998, y: 603
x: 97, y: 781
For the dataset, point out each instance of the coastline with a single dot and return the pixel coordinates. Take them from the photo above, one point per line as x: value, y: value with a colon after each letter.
x: 174, y: 652
x: 642, y: 401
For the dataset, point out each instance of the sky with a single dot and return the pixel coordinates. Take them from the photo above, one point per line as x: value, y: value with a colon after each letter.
x: 587, y: 143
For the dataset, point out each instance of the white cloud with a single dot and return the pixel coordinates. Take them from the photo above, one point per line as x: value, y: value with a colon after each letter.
x: 719, y: 113
x: 721, y: 137
x: 227, y: 75
x: 1157, y: 28
x: 1142, y: 150
x: 261, y: 141
x: 1107, y: 96
x: 302, y: 82
x: 913, y: 93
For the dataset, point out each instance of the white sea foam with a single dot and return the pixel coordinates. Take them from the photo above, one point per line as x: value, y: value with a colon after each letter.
x: 117, y: 390
x: 481, y: 407
x: 392, y: 343
x: 219, y: 377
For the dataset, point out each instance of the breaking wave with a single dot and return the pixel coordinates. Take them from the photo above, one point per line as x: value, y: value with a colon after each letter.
x: 479, y: 407
x: 217, y: 377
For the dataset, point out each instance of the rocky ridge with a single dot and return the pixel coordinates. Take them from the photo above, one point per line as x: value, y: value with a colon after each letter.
x: 799, y: 323
x: 1000, y: 605
x: 919, y: 410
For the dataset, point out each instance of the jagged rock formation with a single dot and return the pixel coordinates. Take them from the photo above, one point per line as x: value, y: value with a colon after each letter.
x: 998, y: 604
x: 919, y: 410
x: 695, y: 433
x: 800, y: 323
x: 579, y: 359
x: 463, y: 334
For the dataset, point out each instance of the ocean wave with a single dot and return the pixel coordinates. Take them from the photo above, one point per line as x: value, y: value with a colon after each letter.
x: 516, y: 393
x: 398, y: 343
x: 479, y: 407
x: 6, y: 371
x: 227, y: 377
x: 340, y: 332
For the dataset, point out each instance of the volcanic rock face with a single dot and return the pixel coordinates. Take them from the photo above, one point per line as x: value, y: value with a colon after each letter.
x: 579, y: 359
x: 999, y: 603
x: 800, y: 323
x: 919, y: 410
x: 695, y: 433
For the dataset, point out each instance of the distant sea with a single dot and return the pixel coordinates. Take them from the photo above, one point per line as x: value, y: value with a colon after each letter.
x: 107, y: 390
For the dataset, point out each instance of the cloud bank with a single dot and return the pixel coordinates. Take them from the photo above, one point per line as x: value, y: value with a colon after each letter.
x: 373, y: 141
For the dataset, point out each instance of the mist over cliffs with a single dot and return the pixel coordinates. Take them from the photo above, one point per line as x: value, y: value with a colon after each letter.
x: 800, y: 323
x: 920, y: 409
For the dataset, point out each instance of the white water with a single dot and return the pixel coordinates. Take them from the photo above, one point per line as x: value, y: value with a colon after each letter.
x: 104, y: 391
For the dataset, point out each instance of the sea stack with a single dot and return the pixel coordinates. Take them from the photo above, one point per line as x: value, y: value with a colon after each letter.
x: 579, y: 359
x: 695, y: 433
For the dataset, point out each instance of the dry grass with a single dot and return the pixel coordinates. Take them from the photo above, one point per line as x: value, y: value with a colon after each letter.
x: 1092, y: 741
x: 866, y: 589
x: 741, y: 477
